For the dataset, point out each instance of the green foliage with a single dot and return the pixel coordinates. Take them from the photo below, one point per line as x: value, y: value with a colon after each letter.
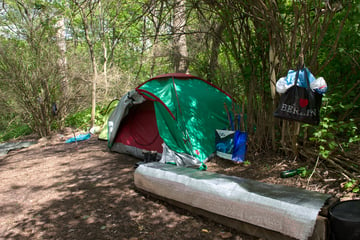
x: 82, y: 119
x: 304, y: 172
x: 31, y: 84
x: 352, y: 185
x: 14, y: 130
x: 79, y: 119
x: 247, y: 163
x: 29, y: 66
x: 332, y: 134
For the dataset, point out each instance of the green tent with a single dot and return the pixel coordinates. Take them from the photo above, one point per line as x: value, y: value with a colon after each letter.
x: 179, y: 121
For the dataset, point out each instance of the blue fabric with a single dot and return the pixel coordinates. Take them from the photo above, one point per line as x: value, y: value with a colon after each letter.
x: 231, y: 145
x: 290, y: 78
x: 78, y: 138
x: 239, y: 151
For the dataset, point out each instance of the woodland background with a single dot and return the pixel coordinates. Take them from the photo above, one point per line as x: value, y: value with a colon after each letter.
x: 82, y: 54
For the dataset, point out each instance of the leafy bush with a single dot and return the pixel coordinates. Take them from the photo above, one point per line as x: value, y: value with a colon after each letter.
x: 81, y: 119
x: 331, y: 133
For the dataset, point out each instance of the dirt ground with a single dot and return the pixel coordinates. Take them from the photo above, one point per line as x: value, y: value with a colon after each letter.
x: 54, y: 190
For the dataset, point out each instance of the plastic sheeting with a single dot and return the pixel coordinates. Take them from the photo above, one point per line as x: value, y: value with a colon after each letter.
x: 290, y: 211
x: 9, y: 146
x: 179, y: 159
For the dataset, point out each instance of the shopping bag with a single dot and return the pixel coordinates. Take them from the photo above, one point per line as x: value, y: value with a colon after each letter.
x: 231, y: 145
x: 300, y: 103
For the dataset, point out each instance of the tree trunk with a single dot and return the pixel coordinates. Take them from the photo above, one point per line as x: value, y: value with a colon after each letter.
x: 103, y: 44
x: 62, y: 64
x: 180, y: 47
x: 215, y: 51
x: 93, y: 89
x: 87, y: 29
x: 156, y: 19
x: 105, y: 68
x: 274, y: 61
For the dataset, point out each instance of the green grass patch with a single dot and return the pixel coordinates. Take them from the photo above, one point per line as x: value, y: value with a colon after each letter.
x: 15, y: 130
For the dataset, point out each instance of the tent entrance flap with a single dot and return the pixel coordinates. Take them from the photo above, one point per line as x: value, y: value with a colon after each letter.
x: 140, y: 129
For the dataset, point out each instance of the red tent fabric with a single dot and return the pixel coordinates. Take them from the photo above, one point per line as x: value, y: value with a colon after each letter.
x: 139, y: 128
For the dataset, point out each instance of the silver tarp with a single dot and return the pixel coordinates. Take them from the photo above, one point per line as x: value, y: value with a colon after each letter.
x: 290, y: 211
x: 179, y: 159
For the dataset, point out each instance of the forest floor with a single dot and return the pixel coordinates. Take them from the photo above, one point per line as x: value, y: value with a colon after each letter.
x: 54, y: 190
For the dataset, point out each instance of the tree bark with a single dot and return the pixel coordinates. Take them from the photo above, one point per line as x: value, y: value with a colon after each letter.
x: 215, y: 50
x: 103, y: 44
x: 180, y: 46
x: 93, y: 91
x: 157, y: 21
x: 273, y: 61
x: 87, y: 28
x: 62, y: 64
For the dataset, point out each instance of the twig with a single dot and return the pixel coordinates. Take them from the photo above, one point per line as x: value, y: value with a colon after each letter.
x: 312, y: 173
x: 347, y: 177
x: 343, y: 171
x: 334, y: 164
x: 348, y: 165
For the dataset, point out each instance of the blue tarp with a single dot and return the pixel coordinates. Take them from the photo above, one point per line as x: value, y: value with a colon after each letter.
x: 78, y: 138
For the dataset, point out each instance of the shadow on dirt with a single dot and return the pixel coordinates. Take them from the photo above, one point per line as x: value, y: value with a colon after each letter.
x: 96, y: 199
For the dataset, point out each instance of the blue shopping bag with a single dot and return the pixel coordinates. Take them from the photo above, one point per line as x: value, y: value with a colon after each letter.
x: 240, y: 145
x: 231, y: 145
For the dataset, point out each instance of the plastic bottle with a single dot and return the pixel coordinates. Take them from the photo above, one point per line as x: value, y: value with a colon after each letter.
x: 291, y: 173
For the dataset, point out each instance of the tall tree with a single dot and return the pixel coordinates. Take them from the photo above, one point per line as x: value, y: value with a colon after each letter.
x: 62, y: 64
x: 181, y: 60
x: 156, y: 17
x: 87, y: 11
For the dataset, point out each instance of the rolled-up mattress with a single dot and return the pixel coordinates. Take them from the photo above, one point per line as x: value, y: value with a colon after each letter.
x: 288, y: 210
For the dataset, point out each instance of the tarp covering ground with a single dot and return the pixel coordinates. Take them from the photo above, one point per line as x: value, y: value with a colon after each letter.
x: 9, y: 146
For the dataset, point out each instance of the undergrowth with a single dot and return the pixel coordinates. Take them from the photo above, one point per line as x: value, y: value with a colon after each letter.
x: 14, y: 130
